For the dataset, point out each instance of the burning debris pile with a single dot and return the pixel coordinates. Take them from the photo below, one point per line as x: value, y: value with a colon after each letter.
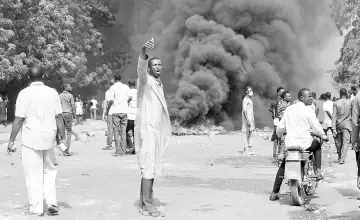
x: 217, y: 47
x: 202, y: 129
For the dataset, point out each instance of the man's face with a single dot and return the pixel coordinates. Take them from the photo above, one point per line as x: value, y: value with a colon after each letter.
x: 288, y: 97
x: 155, y: 68
x: 250, y: 92
x: 307, y: 98
x: 280, y: 92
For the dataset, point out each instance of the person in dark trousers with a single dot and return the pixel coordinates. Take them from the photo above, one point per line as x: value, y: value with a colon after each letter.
x: 298, y: 120
x: 132, y: 112
x: 341, y: 125
x: 273, y: 110
x: 68, y: 105
x: 356, y: 133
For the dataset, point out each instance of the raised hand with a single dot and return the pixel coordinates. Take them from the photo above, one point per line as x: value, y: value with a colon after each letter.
x: 149, y: 44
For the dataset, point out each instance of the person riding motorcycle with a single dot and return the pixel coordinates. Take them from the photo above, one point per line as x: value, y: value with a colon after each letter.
x: 299, y: 122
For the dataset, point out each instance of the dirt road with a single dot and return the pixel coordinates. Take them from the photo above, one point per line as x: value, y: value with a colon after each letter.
x: 205, y: 178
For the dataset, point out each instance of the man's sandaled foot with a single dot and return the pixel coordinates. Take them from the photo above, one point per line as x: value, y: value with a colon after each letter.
x: 33, y: 213
x: 117, y: 155
x: 154, y: 213
x: 66, y: 154
x: 107, y: 148
x: 53, y: 210
x: 274, y: 197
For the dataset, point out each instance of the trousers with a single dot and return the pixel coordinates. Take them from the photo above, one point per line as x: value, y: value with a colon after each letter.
x: 247, y: 138
x: 119, y: 128
x: 110, y: 133
x: 342, y: 141
x: 40, y: 175
x: 315, y: 148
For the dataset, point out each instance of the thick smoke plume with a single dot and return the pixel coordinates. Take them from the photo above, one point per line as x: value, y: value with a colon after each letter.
x: 216, y: 48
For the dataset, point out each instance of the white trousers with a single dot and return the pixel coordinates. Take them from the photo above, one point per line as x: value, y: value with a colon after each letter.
x: 40, y: 174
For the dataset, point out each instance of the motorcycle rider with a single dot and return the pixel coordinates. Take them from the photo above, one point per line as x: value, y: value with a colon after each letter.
x: 299, y: 121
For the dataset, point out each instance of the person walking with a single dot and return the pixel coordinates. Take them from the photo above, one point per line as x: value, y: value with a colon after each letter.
x: 132, y: 112
x: 319, y: 109
x: 39, y: 114
x: 248, y: 125
x: 341, y: 125
x: 281, y: 108
x: 68, y: 106
x: 152, y: 127
x: 356, y: 133
x: 327, y: 108
x: 273, y: 110
x: 119, y: 97
x: 93, y: 108
x: 109, y: 118
x: 78, y: 110
x: 3, y: 112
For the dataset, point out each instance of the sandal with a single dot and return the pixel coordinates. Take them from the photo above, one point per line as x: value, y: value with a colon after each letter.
x: 154, y: 213
x: 107, y: 148
x: 66, y: 154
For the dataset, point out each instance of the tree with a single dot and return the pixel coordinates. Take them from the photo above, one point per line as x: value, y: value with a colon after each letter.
x: 57, y: 34
x: 346, y: 14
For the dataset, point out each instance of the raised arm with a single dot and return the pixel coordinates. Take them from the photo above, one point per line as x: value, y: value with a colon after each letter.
x: 143, y: 61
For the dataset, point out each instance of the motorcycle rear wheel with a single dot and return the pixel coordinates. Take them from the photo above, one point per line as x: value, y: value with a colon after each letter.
x: 297, y: 193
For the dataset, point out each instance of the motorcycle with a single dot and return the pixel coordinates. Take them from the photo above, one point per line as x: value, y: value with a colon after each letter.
x: 300, y: 173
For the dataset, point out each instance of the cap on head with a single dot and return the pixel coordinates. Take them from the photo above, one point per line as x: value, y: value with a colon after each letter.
x: 111, y: 82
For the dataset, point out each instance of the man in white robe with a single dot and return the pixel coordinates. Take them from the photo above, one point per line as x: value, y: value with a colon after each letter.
x: 39, y: 115
x: 152, y: 127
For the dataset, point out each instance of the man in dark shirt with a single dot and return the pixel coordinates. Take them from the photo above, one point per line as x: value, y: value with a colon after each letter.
x: 273, y: 110
x: 68, y: 105
x: 341, y: 124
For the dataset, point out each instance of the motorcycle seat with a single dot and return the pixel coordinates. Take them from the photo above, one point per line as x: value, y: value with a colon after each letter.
x: 294, y: 148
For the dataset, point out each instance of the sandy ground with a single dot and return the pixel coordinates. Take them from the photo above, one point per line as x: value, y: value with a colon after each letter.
x: 205, y: 178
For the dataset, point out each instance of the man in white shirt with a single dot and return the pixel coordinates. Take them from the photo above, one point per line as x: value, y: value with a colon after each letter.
x: 132, y: 112
x: 39, y: 115
x: 94, y: 109
x: 118, y: 99
x: 328, y: 110
x: 299, y: 121
x: 248, y: 125
x: 109, y: 118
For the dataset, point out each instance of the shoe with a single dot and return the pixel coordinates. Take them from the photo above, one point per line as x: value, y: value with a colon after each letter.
x: 319, y: 175
x: 53, y: 210
x: 107, y: 148
x: 274, y: 197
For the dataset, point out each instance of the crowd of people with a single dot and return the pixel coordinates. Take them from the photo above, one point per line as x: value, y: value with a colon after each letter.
x: 139, y: 108
x: 294, y: 124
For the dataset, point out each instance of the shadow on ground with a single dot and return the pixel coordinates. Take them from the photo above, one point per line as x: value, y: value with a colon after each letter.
x: 352, y: 215
x: 259, y: 186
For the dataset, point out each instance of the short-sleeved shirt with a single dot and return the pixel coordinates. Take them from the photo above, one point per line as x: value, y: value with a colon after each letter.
x: 95, y: 102
x: 67, y: 101
x: 342, y: 114
x: 119, y: 94
x: 38, y: 104
x: 132, y: 111
x: 328, y: 106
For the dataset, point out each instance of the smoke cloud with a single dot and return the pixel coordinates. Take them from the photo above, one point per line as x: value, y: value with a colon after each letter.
x: 215, y: 48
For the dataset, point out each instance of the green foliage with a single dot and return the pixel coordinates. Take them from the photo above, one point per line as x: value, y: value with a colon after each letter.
x: 347, y: 17
x: 59, y: 35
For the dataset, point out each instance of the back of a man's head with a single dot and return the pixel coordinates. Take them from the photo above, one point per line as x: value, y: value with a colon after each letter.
x: 111, y: 82
x: 36, y: 73
x: 343, y: 92
x: 131, y: 83
x: 279, y: 89
x: 353, y: 88
x: 117, y: 77
x: 67, y: 87
x: 328, y: 95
